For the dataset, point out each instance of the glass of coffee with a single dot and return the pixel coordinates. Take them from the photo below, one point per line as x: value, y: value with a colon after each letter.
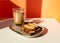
x: 18, y: 15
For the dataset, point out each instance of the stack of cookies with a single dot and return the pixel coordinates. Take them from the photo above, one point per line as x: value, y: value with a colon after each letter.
x: 31, y: 28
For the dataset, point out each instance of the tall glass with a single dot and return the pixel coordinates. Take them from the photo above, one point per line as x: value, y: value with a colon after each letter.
x: 18, y: 15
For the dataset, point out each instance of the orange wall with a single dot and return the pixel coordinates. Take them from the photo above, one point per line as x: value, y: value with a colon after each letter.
x: 6, y: 8
x: 32, y: 7
x: 51, y: 9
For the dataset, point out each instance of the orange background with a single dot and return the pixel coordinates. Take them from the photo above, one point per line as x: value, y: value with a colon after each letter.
x: 32, y: 7
x: 36, y: 8
x: 51, y: 9
x: 6, y: 8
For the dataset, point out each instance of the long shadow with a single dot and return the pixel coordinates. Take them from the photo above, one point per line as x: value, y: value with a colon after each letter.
x: 6, y: 7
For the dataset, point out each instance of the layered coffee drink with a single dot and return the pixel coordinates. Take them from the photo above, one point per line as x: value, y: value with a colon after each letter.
x: 18, y: 15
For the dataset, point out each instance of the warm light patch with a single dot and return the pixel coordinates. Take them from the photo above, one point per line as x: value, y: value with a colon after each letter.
x: 20, y: 3
x: 51, y: 9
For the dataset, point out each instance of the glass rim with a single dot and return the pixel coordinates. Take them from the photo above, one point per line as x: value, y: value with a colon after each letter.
x: 19, y: 9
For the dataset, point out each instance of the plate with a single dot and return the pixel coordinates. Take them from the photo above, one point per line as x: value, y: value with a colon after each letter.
x: 18, y: 29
